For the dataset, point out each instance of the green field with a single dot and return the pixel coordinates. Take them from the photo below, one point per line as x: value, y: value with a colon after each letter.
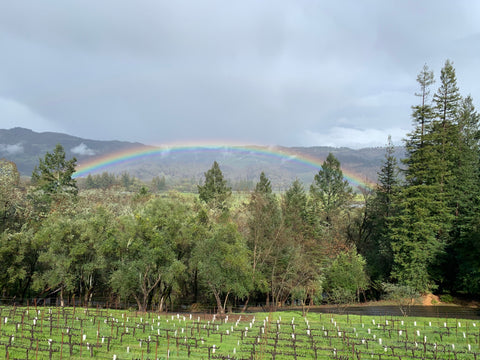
x: 78, y: 333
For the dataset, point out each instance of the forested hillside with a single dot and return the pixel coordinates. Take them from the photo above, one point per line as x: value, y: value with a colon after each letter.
x: 417, y: 231
x: 25, y: 147
x: 183, y: 167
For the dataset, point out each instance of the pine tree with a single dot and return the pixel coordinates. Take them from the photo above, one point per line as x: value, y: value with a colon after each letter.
x: 447, y: 98
x: 462, y: 265
x: 414, y: 235
x: 445, y: 130
x: 420, y: 228
x: 435, y: 229
x: 54, y: 173
x: 295, y: 207
x: 264, y: 226
x: 446, y: 140
x: 300, y: 245
x: 54, y: 185
x: 375, y: 244
x: 215, y: 191
x: 264, y: 186
x: 388, y: 179
x: 423, y: 113
x: 466, y: 170
x: 418, y: 145
x: 330, y: 189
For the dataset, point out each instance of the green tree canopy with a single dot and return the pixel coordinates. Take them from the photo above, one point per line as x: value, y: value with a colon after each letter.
x: 18, y: 259
x: 9, y: 195
x: 147, y: 258
x: 346, y: 277
x: 223, y: 264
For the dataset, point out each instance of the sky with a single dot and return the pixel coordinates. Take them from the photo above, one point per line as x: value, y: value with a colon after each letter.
x: 250, y: 72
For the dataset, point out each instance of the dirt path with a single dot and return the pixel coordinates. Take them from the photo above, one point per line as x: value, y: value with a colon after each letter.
x: 430, y: 299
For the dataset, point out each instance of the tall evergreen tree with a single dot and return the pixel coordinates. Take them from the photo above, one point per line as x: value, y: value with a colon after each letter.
x: 388, y: 181
x: 446, y: 141
x: 295, y: 207
x: 264, y: 226
x: 466, y: 170
x: 417, y: 144
x: 330, y: 189
x: 214, y: 191
x: 299, y: 226
x: 419, y: 231
x: 462, y: 265
x: 375, y: 244
x: 436, y: 209
x: 54, y: 185
x: 264, y: 186
x: 445, y: 135
x: 447, y: 98
x: 414, y: 235
x: 423, y: 113
x: 54, y: 173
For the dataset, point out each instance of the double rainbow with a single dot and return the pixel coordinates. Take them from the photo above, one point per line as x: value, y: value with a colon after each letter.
x: 101, y: 163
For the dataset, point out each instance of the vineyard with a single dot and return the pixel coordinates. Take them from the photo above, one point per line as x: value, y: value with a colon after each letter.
x: 78, y: 333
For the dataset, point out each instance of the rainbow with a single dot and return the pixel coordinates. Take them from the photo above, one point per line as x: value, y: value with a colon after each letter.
x: 102, y: 163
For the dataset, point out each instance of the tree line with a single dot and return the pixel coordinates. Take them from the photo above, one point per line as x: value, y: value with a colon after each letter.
x: 416, y: 232
x: 158, y: 250
x: 423, y: 218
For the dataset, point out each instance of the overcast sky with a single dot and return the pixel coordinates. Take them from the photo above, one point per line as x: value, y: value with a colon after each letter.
x: 280, y: 72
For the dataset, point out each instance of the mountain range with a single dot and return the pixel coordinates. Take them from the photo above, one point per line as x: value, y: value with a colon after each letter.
x: 189, y: 163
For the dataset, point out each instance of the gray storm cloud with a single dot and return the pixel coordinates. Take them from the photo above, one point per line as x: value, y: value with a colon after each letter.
x: 266, y: 72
